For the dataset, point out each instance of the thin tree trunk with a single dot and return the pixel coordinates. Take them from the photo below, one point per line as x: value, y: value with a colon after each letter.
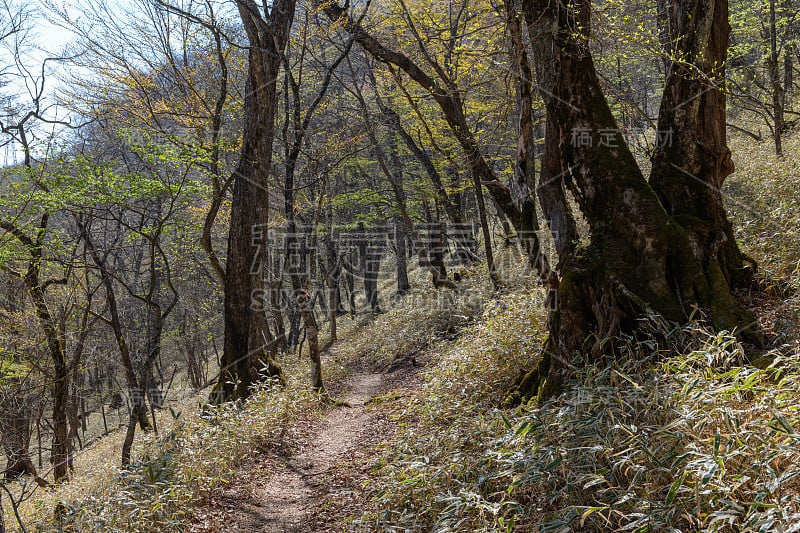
x: 332, y: 313
x: 61, y: 379
x: 136, y: 413
x: 487, y: 235
x: 788, y: 79
x: 372, y: 265
x: 429, y: 256
x: 39, y: 436
x: 449, y: 101
x: 115, y: 322
x: 400, y: 236
x: 103, y: 412
x: 775, y: 81
x: 464, y: 239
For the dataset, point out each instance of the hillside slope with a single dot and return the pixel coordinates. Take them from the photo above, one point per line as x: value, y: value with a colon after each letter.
x: 680, y: 432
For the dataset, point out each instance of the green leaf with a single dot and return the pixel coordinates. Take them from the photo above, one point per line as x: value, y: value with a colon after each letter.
x: 673, y: 489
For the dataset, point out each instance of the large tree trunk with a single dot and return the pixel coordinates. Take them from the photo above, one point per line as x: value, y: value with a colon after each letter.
x: 641, y: 259
x: 692, y: 159
x: 550, y: 190
x: 247, y: 347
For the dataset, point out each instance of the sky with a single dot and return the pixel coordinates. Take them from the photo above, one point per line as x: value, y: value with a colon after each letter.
x: 49, y: 36
x: 45, y: 38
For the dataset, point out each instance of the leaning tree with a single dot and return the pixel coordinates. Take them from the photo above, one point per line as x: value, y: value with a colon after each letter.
x: 660, y: 247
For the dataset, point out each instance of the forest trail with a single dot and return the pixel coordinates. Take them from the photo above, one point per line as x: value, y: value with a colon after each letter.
x: 283, y: 498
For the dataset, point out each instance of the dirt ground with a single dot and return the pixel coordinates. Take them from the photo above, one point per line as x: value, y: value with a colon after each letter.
x: 321, y: 485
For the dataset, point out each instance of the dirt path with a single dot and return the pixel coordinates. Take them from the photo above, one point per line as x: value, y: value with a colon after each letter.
x: 285, y: 500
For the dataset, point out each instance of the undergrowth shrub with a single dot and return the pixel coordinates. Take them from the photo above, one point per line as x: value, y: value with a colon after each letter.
x: 763, y: 201
x: 652, y: 441
x: 181, y: 469
x: 415, y: 322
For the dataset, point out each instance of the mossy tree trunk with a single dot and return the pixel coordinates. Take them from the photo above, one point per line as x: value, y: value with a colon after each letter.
x: 662, y: 247
x: 693, y: 161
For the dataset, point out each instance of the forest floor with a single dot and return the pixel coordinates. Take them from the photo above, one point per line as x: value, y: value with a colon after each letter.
x: 318, y: 482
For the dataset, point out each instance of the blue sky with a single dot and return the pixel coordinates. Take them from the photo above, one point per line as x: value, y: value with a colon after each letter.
x: 45, y: 37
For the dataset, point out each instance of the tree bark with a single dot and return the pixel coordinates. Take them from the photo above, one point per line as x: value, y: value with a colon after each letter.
x: 400, y: 236
x: 54, y: 338
x: 642, y: 259
x: 247, y: 350
x: 59, y: 453
x: 692, y: 159
x: 372, y: 263
x: 553, y: 198
x: 487, y: 234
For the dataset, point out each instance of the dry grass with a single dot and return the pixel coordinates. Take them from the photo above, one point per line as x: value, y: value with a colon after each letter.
x: 763, y: 199
x: 699, y: 441
x: 178, y: 470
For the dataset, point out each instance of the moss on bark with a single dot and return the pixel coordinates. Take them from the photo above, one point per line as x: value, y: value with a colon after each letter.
x: 608, y: 286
